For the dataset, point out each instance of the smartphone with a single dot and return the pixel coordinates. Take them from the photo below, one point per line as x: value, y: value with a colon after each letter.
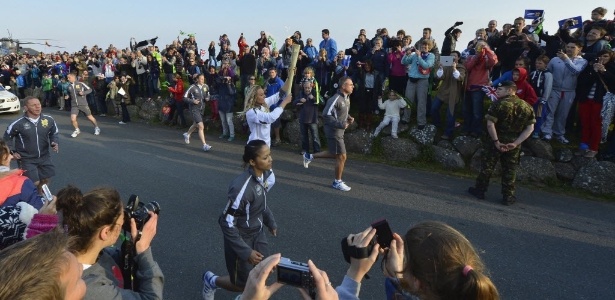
x: 384, y: 235
x: 47, y: 193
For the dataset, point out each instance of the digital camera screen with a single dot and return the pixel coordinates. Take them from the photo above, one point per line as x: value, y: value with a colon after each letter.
x: 289, y: 276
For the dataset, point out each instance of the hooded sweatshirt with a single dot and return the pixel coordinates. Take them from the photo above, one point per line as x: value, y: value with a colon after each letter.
x: 525, y: 90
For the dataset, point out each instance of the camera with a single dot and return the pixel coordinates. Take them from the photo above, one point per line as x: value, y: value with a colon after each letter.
x: 296, y: 274
x: 571, y: 22
x: 139, y: 211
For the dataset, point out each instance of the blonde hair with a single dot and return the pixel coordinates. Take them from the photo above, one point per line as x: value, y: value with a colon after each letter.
x: 251, y: 100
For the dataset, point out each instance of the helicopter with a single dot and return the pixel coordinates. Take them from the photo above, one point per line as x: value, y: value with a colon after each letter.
x: 11, y: 45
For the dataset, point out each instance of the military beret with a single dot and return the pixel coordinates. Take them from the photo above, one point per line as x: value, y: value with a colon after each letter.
x: 507, y: 83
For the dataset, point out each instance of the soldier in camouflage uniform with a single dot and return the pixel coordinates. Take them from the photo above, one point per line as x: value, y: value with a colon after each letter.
x: 510, y: 121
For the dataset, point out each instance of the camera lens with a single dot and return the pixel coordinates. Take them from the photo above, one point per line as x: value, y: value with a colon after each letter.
x: 153, y: 207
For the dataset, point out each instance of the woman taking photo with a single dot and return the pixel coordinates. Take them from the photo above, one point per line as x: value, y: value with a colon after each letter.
x: 94, y: 221
x: 242, y: 220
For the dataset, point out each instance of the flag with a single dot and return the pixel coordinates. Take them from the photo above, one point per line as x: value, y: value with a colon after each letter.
x: 490, y: 92
x: 533, y: 14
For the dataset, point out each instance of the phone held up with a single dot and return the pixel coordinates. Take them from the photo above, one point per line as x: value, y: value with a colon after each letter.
x: 47, y: 193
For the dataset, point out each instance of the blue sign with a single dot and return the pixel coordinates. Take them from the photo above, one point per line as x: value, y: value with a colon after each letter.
x: 533, y: 13
x: 577, y: 22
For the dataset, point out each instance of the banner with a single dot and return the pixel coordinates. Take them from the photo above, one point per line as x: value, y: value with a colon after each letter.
x: 533, y: 13
x: 577, y: 22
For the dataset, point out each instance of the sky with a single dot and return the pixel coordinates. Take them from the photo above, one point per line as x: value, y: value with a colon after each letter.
x: 74, y: 24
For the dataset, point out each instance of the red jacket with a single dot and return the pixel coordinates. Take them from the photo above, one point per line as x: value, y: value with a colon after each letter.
x: 478, y: 67
x: 178, y: 91
x: 525, y: 90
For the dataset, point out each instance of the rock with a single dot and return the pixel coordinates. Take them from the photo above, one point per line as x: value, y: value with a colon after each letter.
x: 287, y: 115
x: 358, y: 141
x: 149, y: 111
x: 579, y: 162
x: 476, y: 161
x: 133, y: 111
x: 399, y: 149
x: 138, y: 101
x: 563, y: 155
x: 596, y: 177
x: 445, y: 144
x: 564, y: 171
x: 466, y: 145
x: 540, y: 148
x: 449, y: 159
x: 292, y: 133
x: 425, y: 136
x: 400, y: 128
x: 535, y: 169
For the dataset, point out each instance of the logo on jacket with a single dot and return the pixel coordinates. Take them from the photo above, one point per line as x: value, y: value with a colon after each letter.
x: 45, y: 123
x: 26, y: 126
x: 259, y: 190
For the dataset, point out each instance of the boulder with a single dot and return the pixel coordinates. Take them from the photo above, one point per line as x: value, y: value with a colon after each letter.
x: 425, y: 136
x: 399, y: 149
x: 133, y: 111
x: 445, y: 144
x: 476, y: 161
x: 596, y: 177
x: 466, y: 145
x: 149, y: 111
x: 563, y: 155
x: 358, y: 141
x: 579, y: 162
x: 292, y: 133
x: 138, y: 101
x: 535, y: 169
x: 400, y: 128
x: 287, y: 115
x: 564, y: 171
x: 449, y: 159
x: 540, y: 148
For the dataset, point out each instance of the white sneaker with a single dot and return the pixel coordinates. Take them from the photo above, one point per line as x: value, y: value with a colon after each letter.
x: 209, y: 288
x: 307, y: 159
x: 76, y: 133
x: 96, y: 131
x: 186, y: 138
x: 340, y: 185
x: 122, y: 123
x: 206, y: 147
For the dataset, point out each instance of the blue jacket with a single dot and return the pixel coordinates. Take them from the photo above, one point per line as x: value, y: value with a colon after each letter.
x: 415, y: 60
x: 273, y: 86
x: 15, y: 188
x: 21, y: 81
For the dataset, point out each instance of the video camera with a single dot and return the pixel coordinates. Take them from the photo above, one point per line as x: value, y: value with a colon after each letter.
x: 296, y: 274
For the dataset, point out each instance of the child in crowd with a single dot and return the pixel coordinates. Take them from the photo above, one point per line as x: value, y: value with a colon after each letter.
x: 47, y: 90
x: 308, y: 76
x: 542, y: 82
x: 391, y: 107
x: 111, y: 96
x: 212, y: 55
x: 307, y: 103
x: 62, y: 89
x: 525, y: 90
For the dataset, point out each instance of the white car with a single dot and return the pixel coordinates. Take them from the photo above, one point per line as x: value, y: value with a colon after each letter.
x: 8, y: 101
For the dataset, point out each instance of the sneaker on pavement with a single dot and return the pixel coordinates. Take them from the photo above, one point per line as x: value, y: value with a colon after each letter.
x: 122, y: 123
x: 307, y: 159
x: 562, y: 139
x: 206, y: 147
x: 547, y: 137
x: 231, y: 138
x: 102, y: 115
x: 223, y: 136
x: 476, y: 193
x: 97, y: 131
x: 340, y: 185
x: 75, y: 133
x: 209, y: 285
x: 186, y: 138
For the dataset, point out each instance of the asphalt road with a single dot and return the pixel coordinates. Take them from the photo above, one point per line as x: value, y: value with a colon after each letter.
x: 547, y: 246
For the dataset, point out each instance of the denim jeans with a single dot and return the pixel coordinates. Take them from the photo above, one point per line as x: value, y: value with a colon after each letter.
x: 473, y: 111
x: 212, y: 61
x: 179, y: 107
x: 228, y: 128
x: 305, y: 137
x: 152, y: 85
x: 435, y: 116
x: 125, y: 114
x: 102, y: 104
x: 417, y: 93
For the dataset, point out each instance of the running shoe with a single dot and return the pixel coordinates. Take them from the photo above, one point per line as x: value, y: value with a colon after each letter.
x: 307, y: 159
x: 186, y: 138
x: 206, y: 147
x: 340, y: 185
x: 209, y: 285
x: 76, y: 133
x: 97, y: 131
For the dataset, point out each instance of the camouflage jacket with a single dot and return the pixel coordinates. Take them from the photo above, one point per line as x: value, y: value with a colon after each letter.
x: 511, y: 116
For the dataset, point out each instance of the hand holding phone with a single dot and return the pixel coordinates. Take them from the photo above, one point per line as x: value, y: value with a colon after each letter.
x: 47, y: 193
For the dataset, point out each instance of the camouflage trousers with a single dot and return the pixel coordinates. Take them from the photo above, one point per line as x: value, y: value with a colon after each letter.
x: 509, y: 162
